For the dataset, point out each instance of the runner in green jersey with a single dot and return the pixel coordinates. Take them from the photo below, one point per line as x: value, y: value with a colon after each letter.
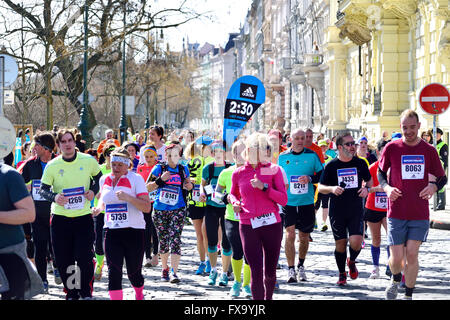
x: 232, y: 225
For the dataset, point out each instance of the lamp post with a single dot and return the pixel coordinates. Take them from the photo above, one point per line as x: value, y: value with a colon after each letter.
x: 83, y: 125
x: 123, y: 120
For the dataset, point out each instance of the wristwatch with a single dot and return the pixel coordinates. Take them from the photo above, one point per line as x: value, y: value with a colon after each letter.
x: 266, y: 186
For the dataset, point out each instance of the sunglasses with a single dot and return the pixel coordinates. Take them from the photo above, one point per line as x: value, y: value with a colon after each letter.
x: 349, y: 144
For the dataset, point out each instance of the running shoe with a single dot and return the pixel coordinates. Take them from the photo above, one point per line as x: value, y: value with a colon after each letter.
x: 405, y: 297
x: 212, y: 278
x: 315, y: 224
x: 375, y: 273
x: 353, y: 270
x: 342, y: 279
x: 88, y: 298
x: 223, y: 282
x: 165, y: 275
x: 49, y: 267
x: 45, y: 284
x: 277, y: 286
x: 247, y: 291
x: 98, y: 272
x: 236, y: 289
x: 391, y: 291
x: 57, y: 276
x: 148, y: 263
x: 310, y: 239
x: 208, y: 266
x: 363, y: 244
x: 201, y: 268
x: 324, y: 228
x: 174, y: 278
x: 301, y: 274
x: 292, y: 277
x: 402, y: 283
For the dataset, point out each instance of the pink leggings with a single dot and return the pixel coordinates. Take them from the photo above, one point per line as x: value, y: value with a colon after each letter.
x: 262, y: 249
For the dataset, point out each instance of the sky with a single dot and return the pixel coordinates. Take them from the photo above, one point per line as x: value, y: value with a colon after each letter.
x: 227, y: 16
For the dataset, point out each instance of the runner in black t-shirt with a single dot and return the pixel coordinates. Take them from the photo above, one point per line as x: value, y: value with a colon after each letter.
x: 343, y: 179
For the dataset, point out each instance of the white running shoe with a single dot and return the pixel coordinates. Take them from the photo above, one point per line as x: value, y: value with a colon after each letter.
x: 292, y: 277
x: 375, y: 273
x: 302, y: 274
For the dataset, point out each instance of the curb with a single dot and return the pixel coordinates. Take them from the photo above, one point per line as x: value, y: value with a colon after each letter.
x: 440, y: 224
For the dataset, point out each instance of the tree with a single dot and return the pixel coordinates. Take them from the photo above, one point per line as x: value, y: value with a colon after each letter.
x: 55, y: 28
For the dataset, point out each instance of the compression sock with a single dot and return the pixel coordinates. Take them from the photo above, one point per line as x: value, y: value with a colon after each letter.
x: 354, y: 254
x: 397, y: 277
x: 237, y: 268
x: 247, y: 275
x: 341, y: 258
x: 300, y: 262
x: 116, y: 294
x: 409, y: 291
x: 139, y: 292
x: 375, y: 255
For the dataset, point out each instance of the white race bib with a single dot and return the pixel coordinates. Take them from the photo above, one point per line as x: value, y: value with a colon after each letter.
x: 209, y: 189
x: 296, y: 187
x: 381, y: 200
x: 116, y: 215
x: 217, y: 198
x: 196, y: 193
x: 75, y: 197
x: 348, y: 178
x: 264, y: 220
x: 413, y: 167
x: 35, y: 186
x: 169, y: 195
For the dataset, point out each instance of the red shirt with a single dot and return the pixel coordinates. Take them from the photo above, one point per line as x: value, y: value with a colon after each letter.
x: 314, y: 147
x: 409, y: 169
x: 379, y: 196
x: 144, y: 170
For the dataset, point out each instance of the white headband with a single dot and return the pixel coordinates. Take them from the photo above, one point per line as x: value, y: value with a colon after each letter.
x: 123, y: 160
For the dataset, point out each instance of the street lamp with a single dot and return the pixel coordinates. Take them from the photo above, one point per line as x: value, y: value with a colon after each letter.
x: 83, y: 125
x: 123, y: 121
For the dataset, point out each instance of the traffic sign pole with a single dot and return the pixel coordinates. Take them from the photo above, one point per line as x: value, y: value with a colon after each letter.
x: 2, y: 83
x: 434, y: 145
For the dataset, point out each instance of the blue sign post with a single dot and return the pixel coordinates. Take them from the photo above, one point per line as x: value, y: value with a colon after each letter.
x: 246, y: 95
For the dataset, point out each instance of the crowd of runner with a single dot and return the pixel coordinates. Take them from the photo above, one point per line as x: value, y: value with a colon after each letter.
x: 126, y: 205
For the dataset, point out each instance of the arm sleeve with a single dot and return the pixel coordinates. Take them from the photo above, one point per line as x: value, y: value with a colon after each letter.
x: 316, y: 177
x: 382, y: 178
x: 46, y: 193
x: 95, y: 183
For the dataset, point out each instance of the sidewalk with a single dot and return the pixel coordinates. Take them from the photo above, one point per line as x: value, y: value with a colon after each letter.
x: 440, y: 219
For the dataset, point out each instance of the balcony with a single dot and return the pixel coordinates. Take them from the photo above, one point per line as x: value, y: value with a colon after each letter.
x: 311, y: 62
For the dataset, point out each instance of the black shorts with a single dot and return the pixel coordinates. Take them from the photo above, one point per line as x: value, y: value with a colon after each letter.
x: 195, y: 212
x: 344, y: 226
x: 322, y: 200
x: 303, y: 217
x: 374, y: 216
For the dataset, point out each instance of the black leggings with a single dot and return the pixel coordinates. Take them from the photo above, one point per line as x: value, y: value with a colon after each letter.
x: 213, y: 217
x: 151, y: 243
x: 42, y: 242
x: 234, y: 237
x: 17, y: 275
x: 28, y: 237
x: 73, y: 240
x: 99, y: 221
x: 125, y: 243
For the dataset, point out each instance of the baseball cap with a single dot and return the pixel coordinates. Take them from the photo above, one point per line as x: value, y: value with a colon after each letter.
x: 204, y: 140
x: 396, y: 136
x: 361, y: 139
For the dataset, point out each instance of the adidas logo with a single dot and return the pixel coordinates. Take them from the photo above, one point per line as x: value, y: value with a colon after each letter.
x: 248, y: 91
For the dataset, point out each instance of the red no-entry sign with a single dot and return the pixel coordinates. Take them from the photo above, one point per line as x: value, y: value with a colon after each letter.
x: 434, y: 98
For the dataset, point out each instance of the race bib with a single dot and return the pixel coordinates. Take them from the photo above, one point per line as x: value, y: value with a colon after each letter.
x: 217, y: 198
x: 75, y: 197
x: 35, y: 186
x: 381, y: 200
x: 348, y: 178
x: 413, y: 167
x: 209, y: 189
x: 196, y: 192
x: 169, y: 195
x: 264, y: 220
x: 296, y: 187
x: 117, y: 215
